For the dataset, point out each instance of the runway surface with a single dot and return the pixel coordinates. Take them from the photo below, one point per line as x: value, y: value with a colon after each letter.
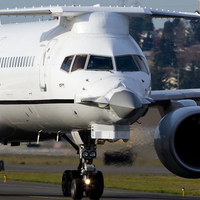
x: 14, y: 190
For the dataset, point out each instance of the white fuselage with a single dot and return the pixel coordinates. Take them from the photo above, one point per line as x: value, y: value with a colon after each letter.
x: 37, y: 95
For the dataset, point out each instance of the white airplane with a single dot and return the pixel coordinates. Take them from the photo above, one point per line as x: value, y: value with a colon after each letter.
x: 83, y: 74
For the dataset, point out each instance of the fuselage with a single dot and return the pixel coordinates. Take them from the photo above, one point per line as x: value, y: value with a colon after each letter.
x: 65, y: 75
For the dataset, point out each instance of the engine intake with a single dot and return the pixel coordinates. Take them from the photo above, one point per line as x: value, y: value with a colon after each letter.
x: 177, y: 141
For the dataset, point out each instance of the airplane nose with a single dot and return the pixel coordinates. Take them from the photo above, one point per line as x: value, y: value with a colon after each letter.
x: 124, y: 103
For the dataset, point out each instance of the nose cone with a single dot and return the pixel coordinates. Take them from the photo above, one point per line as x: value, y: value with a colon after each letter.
x: 124, y: 103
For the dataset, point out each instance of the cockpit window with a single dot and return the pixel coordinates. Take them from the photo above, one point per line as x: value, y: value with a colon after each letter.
x: 126, y: 63
x: 67, y: 63
x: 142, y: 64
x: 79, y: 62
x: 100, y: 63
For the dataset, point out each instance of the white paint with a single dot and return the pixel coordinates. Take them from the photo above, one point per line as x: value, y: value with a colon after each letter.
x: 41, y: 48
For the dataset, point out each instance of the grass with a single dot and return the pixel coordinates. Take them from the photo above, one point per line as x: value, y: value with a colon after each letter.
x: 43, y: 160
x: 52, y: 178
x: 62, y: 160
x: 38, y: 160
x: 151, y: 183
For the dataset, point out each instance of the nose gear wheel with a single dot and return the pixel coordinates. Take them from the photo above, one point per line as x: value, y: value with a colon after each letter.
x: 73, y: 181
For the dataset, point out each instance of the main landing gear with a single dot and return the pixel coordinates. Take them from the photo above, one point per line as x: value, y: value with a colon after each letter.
x: 86, y: 179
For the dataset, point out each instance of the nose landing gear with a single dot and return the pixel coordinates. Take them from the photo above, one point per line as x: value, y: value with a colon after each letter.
x: 86, y: 179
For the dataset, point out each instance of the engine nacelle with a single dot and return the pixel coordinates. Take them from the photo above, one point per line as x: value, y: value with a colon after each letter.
x: 177, y: 141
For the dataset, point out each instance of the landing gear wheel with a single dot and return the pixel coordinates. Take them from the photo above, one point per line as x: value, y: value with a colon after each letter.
x: 77, y: 189
x: 75, y: 182
x: 65, y: 183
x: 67, y: 179
x: 95, y: 190
x: 99, y: 177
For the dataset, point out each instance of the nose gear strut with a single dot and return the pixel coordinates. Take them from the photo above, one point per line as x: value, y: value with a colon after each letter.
x: 86, y: 178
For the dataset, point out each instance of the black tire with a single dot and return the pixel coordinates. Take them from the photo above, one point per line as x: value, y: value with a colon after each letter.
x: 77, y: 189
x: 95, y: 190
x: 99, y: 177
x: 66, y: 184
x: 75, y: 174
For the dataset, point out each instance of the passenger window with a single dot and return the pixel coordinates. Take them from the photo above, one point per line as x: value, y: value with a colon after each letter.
x: 2, y: 62
x: 19, y: 61
x: 67, y: 63
x: 100, y: 63
x: 16, y: 62
x: 142, y: 64
x: 5, y: 62
x: 26, y: 64
x: 11, y: 61
x: 79, y: 62
x: 33, y: 60
x: 125, y: 63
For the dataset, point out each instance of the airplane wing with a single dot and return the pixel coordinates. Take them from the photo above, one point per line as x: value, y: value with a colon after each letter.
x: 72, y: 11
x: 169, y: 100
x: 161, y: 96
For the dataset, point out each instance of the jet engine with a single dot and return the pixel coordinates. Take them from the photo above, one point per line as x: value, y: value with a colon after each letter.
x: 177, y: 141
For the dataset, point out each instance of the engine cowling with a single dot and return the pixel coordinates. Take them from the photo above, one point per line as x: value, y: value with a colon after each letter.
x: 177, y: 141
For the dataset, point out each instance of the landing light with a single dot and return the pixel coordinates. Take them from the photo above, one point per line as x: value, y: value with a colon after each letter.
x: 87, y: 181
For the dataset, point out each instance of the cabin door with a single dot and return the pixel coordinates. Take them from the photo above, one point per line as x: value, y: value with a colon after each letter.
x: 44, y: 64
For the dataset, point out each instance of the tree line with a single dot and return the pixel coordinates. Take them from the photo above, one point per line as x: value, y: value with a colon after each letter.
x: 175, y: 51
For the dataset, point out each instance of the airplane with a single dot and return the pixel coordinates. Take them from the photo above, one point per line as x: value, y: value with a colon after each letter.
x: 83, y: 74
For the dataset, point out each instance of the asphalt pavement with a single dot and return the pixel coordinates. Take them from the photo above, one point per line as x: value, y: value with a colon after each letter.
x: 37, y: 191
x: 14, y: 190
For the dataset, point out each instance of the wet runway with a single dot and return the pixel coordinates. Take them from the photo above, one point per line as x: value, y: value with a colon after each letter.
x: 14, y: 190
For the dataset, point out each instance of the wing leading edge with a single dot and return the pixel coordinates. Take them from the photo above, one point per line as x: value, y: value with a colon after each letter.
x: 168, y: 100
x: 166, y: 95
x: 72, y: 11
